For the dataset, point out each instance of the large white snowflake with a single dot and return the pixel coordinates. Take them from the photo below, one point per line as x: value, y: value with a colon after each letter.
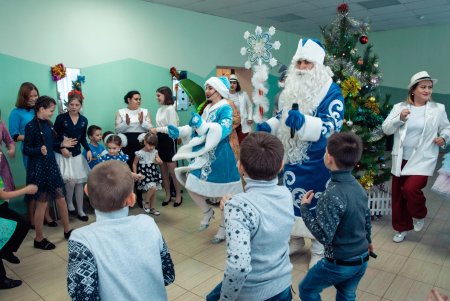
x: 259, y: 49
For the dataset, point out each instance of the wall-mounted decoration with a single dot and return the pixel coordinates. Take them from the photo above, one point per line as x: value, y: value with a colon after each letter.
x: 58, y: 72
x: 72, y: 81
x: 180, y: 96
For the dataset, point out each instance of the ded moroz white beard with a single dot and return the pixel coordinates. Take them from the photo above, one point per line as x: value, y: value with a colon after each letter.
x: 302, y: 87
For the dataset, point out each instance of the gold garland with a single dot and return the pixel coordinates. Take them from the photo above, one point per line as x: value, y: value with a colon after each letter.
x: 350, y: 87
x: 372, y: 104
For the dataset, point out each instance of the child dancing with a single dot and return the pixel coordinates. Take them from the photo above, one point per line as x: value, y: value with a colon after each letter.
x: 212, y: 170
x: 73, y: 166
x: 42, y: 169
x: 102, y: 264
x: 144, y: 164
x: 114, y: 144
x: 94, y: 133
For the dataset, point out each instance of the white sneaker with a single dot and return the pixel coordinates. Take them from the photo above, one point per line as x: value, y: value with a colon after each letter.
x: 418, y: 224
x: 296, y: 244
x: 315, y: 258
x: 399, y: 236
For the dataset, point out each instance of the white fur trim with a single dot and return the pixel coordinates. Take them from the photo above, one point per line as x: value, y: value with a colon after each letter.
x: 185, y: 131
x: 219, y: 86
x: 311, y: 129
x: 182, y: 172
x: 203, y: 128
x: 311, y: 52
x: 274, y: 123
x: 210, y: 189
x: 211, y: 140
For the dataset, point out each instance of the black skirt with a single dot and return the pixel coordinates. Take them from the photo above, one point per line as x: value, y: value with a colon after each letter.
x: 167, y: 147
x: 133, y: 146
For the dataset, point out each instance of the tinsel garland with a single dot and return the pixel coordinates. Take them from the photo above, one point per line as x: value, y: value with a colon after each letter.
x: 58, y: 72
x: 350, y: 87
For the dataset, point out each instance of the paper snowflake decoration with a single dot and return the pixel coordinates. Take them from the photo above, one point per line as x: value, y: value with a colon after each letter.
x: 259, y: 47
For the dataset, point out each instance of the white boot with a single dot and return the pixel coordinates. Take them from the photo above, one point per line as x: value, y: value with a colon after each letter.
x: 296, y: 244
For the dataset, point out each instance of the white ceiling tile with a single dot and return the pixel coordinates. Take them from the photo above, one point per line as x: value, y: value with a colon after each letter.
x: 318, y: 12
x: 425, y: 4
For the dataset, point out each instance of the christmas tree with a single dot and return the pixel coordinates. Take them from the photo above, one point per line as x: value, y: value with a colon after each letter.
x: 356, y: 70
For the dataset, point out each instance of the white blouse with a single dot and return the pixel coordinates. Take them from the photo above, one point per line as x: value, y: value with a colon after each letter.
x: 166, y: 115
x: 134, y: 126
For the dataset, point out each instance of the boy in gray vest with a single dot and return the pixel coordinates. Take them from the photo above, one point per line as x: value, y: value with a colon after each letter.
x: 258, y: 224
x: 342, y: 224
x: 118, y: 257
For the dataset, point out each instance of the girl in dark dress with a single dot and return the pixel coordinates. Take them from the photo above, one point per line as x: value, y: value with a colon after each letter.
x: 73, y: 166
x: 42, y: 169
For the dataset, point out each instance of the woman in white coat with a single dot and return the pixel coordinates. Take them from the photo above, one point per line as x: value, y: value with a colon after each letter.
x: 420, y: 127
x: 244, y: 105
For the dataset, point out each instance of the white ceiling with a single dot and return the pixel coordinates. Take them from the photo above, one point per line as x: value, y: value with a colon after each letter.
x: 304, y: 17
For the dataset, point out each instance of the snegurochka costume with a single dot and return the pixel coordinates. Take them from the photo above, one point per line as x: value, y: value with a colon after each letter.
x: 212, y: 170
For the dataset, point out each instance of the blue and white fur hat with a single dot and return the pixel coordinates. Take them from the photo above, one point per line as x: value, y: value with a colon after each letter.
x: 311, y: 50
x: 220, y: 84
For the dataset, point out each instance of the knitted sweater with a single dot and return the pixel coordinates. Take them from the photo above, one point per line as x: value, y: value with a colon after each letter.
x: 119, y: 257
x: 258, y: 224
x: 342, y: 222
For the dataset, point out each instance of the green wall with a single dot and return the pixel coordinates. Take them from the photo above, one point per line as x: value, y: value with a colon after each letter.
x: 404, y: 52
x: 120, y: 45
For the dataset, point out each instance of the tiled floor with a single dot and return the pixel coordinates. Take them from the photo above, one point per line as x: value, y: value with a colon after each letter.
x: 405, y: 271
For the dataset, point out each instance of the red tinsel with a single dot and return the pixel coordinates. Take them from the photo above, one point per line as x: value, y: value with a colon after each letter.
x: 76, y: 92
x: 343, y: 8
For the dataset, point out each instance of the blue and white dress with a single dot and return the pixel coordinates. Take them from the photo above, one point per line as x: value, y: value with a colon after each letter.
x: 212, y: 170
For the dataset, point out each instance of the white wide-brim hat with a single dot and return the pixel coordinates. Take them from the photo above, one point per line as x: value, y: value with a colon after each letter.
x: 420, y: 76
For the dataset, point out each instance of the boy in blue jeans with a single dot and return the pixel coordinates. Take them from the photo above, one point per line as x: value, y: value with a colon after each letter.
x: 342, y: 224
x: 258, y: 224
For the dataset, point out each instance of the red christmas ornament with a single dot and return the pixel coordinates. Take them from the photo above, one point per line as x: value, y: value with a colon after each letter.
x: 364, y: 39
x: 360, y: 61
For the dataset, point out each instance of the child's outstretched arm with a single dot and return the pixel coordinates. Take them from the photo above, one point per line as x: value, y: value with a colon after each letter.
x: 158, y: 160
x: 29, y: 189
x: 328, y: 214
x: 135, y: 163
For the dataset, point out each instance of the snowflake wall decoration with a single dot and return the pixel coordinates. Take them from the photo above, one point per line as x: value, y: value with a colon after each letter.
x: 260, y: 46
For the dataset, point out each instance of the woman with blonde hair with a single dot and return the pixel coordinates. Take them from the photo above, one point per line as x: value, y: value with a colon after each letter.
x: 420, y: 126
